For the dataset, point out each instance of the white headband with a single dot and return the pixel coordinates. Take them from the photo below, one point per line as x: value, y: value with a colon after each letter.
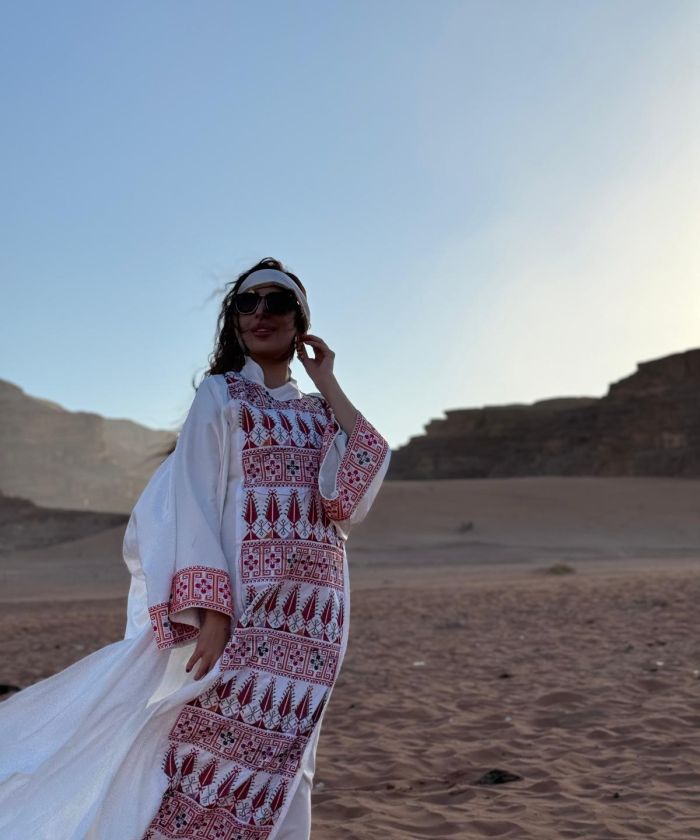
x: 263, y: 276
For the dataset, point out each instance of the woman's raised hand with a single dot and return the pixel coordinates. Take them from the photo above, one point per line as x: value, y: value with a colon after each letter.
x: 213, y: 636
x: 320, y: 365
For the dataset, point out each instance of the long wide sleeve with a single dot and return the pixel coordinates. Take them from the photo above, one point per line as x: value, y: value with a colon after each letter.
x: 352, y: 470
x: 173, y: 539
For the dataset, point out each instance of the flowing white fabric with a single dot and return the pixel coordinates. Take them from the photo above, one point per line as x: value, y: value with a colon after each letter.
x: 81, y: 751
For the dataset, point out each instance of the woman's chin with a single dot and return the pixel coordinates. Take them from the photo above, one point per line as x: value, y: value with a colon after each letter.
x: 272, y: 351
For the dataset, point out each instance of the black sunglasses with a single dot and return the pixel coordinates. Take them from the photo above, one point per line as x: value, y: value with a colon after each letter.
x: 276, y: 303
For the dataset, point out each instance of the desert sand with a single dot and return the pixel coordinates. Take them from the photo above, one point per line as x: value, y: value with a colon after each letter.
x: 545, y: 627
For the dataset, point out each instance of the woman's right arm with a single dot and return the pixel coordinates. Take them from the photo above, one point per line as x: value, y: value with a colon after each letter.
x: 176, y: 532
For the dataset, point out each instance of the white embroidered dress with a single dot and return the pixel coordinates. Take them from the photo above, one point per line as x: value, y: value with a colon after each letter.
x: 248, y: 516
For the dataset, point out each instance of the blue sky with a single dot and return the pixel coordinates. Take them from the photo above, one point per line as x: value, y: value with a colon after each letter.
x: 488, y: 202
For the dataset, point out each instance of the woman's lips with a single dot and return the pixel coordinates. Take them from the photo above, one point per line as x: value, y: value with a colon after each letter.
x: 261, y: 332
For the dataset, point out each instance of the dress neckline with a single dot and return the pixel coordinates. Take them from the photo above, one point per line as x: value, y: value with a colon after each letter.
x: 288, y: 391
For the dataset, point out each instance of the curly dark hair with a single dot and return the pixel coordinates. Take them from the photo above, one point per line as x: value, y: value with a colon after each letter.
x: 228, y: 353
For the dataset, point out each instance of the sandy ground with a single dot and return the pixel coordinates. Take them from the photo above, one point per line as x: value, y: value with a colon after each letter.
x: 586, y: 684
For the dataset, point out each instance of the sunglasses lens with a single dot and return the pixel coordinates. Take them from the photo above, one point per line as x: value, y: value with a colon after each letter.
x: 280, y: 302
x: 246, y: 302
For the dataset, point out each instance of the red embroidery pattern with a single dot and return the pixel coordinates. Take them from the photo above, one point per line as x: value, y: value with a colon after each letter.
x: 244, y: 389
x: 236, y: 749
x: 169, y: 634
x: 363, y: 457
x: 194, y: 586
x: 280, y: 559
x: 286, y: 467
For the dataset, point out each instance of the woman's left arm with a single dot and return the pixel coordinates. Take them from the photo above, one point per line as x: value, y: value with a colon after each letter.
x: 354, y: 455
x: 344, y: 411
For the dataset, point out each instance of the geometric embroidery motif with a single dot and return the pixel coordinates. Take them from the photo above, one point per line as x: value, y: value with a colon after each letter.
x: 297, y: 561
x: 194, y: 586
x: 365, y: 453
x: 236, y: 749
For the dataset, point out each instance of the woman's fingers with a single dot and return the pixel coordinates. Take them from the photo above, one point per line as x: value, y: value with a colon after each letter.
x: 321, y: 349
x: 196, y: 656
x: 212, y: 640
x: 204, y: 665
x: 313, y: 339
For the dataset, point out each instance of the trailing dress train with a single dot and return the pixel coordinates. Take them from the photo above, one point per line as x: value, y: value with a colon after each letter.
x: 247, y: 516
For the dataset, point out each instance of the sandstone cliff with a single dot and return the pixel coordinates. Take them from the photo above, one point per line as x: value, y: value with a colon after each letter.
x: 646, y: 424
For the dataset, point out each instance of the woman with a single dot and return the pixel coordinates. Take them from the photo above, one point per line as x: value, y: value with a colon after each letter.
x: 203, y: 721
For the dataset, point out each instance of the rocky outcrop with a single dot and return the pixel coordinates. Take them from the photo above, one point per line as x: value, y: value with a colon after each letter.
x: 73, y: 459
x: 646, y: 424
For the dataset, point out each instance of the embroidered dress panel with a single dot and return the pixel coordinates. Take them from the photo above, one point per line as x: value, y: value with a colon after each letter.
x: 236, y: 751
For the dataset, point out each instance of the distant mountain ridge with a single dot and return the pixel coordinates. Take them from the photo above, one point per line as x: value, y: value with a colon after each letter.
x: 648, y: 424
x: 73, y: 459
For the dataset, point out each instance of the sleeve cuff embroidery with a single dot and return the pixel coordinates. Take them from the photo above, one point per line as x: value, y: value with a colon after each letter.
x: 194, y: 586
x: 365, y: 452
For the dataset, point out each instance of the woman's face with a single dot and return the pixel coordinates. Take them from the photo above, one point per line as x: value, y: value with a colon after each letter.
x: 267, y: 335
